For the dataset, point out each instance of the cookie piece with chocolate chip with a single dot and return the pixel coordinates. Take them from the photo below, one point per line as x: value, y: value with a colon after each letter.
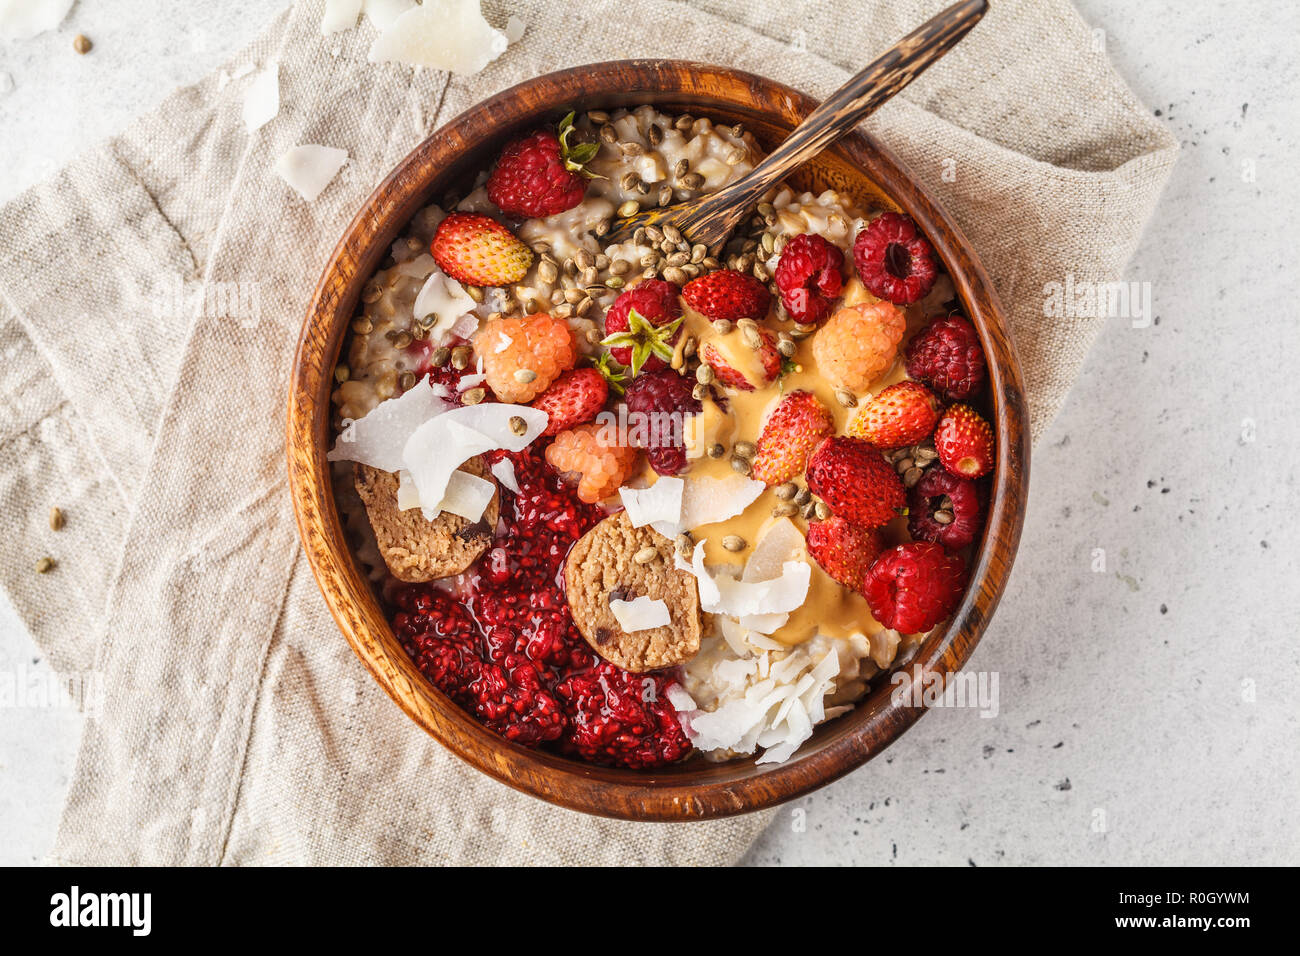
x: 414, y: 548
x: 612, y: 562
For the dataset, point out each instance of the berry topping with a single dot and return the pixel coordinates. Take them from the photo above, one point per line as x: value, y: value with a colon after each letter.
x: 858, y: 344
x: 902, y: 414
x: 964, y: 442
x: 808, y: 277
x: 541, y: 174
x: 745, y: 358
x: 894, y: 260
x: 856, y: 482
x: 727, y: 294
x: 574, y: 398
x: 844, y: 550
x: 790, y: 434
x: 947, y: 356
x: 944, y: 509
x: 643, y: 325
x: 523, y: 356
x: 622, y: 718
x: 661, y: 401
x: 591, y: 455
x: 914, y: 586
x: 477, y: 250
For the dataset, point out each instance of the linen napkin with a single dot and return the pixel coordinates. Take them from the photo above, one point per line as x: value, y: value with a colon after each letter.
x: 236, y: 726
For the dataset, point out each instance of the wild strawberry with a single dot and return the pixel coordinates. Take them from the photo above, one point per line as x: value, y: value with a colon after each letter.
x: 856, y: 482
x: 947, y: 356
x: 594, y: 458
x: 745, y: 358
x: 914, y: 586
x: 574, y: 398
x: 477, y: 250
x: 643, y: 325
x: 894, y: 260
x: 522, y: 356
x: 808, y: 277
x: 662, y: 400
x: 902, y: 414
x: 541, y: 174
x: 964, y: 442
x: 790, y: 434
x: 727, y: 294
x: 844, y: 550
x: 858, y: 344
x: 944, y: 509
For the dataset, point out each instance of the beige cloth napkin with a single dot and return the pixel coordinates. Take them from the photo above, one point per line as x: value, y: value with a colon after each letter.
x: 236, y: 726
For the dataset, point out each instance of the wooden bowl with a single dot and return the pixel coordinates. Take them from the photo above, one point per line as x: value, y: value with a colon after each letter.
x: 449, y: 158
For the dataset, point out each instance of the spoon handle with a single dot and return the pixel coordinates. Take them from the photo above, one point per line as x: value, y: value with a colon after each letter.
x: 839, y: 113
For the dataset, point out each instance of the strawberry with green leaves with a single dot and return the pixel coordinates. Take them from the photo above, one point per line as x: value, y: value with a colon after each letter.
x: 643, y: 325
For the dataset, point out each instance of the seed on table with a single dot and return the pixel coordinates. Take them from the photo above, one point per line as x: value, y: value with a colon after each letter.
x: 678, y: 259
x: 760, y: 272
x: 745, y: 449
x: 654, y: 234
x: 362, y: 325
x: 672, y: 233
x: 341, y: 374
x: 562, y: 311
x: 474, y: 396
x: 711, y: 263
x: 752, y: 338
x: 733, y: 542
x: 741, y: 465
x: 925, y: 455
x: 766, y: 209
x: 547, y: 272
x: 846, y: 398
x: 682, y: 168
x: 602, y: 227
x: 912, y: 476
x: 629, y: 208
x: 45, y: 565
x: 460, y: 356
x: 81, y: 43
x: 402, y: 340
x: 810, y: 511
x: 822, y: 510
x: 620, y: 267
x: 735, y: 156
x: 904, y: 464
x: 667, y: 247
x: 518, y: 425
x: 593, y: 337
x: 786, y: 490
x: 943, y: 517
x: 440, y: 356
x: 56, y: 519
x: 585, y: 306
x: 717, y: 450
x: 628, y: 181
x: 704, y: 374
x: 573, y: 296
x: 722, y: 326
x: 690, y: 346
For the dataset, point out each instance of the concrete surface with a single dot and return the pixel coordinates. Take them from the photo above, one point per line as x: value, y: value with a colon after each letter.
x: 1147, y: 696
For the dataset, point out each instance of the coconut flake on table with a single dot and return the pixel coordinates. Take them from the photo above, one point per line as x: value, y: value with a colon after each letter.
x: 310, y: 168
x: 339, y: 15
x: 24, y: 19
x: 661, y: 503
x: 450, y: 35
x: 378, y: 439
x: 515, y: 29
x: 443, y: 297
x: 384, y: 13
x: 640, y: 614
x: 262, y: 98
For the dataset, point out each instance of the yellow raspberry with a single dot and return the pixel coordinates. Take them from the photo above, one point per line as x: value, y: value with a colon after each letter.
x: 858, y: 344
x: 523, y: 356
x: 600, y: 468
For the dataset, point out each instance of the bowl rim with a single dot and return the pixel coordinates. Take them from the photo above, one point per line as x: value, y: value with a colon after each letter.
x: 638, y: 794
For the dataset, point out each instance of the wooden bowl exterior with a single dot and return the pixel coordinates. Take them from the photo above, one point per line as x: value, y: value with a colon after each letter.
x: 449, y: 158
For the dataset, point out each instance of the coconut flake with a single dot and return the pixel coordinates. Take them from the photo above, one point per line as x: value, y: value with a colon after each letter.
x: 660, y: 503
x: 467, y: 495
x: 781, y: 542
x: 515, y: 32
x: 725, y: 594
x: 309, y: 168
x: 339, y: 15
x: 262, y: 98
x: 679, y: 697
x: 443, y: 297
x: 378, y: 438
x: 640, y: 614
x: 710, y: 500
x: 504, y: 472
x: 384, y: 13
x: 407, y: 495
x: 450, y: 35
x: 24, y: 19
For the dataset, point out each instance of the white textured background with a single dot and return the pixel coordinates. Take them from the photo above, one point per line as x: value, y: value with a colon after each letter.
x: 1158, y: 698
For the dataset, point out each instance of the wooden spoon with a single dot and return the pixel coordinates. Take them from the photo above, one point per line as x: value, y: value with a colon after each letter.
x: 711, y: 219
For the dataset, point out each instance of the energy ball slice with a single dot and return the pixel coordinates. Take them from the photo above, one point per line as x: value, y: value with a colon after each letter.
x: 414, y: 548
x: 615, y: 561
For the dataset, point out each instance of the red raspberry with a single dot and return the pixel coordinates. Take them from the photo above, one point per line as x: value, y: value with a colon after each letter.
x: 808, y: 277
x: 644, y: 345
x: 855, y: 481
x: 948, y: 357
x: 651, y: 397
x: 914, y: 586
x: 620, y: 718
x: 938, y: 490
x: 541, y: 174
x: 894, y: 260
x: 727, y: 294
